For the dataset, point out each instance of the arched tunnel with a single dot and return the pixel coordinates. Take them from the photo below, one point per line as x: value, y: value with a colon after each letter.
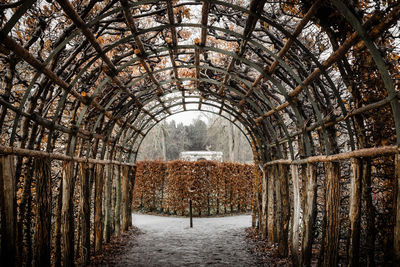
x: 313, y: 84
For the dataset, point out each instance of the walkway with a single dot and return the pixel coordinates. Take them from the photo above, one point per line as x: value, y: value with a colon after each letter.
x: 167, y: 241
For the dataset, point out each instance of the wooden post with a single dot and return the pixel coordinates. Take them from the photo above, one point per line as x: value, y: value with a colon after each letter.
x: 396, y: 240
x: 309, y: 214
x: 132, y: 177
x: 190, y: 213
x: 355, y: 212
x: 369, y: 213
x: 107, y: 206
x: 331, y: 242
x: 98, y: 208
x: 84, y: 173
x: 67, y: 216
x: 8, y: 210
x: 285, y: 214
x: 42, y: 245
x: 271, y: 207
x: 125, y: 199
x: 278, y: 203
x: 118, y: 202
x: 57, y: 228
x: 264, y: 190
x: 296, y: 215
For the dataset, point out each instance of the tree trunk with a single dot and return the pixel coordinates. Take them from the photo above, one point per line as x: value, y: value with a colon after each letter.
x: 84, y: 173
x: 283, y: 238
x: 331, y: 241
x: 396, y: 244
x: 8, y: 210
x: 98, y: 209
x: 310, y: 213
x: 355, y: 212
x: 42, y: 247
x: 296, y: 215
x: 67, y: 214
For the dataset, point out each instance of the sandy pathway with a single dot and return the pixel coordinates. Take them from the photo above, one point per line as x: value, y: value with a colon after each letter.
x: 168, y: 241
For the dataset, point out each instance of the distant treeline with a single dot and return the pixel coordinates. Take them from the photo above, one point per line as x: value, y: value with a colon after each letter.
x: 214, y: 187
x: 167, y: 139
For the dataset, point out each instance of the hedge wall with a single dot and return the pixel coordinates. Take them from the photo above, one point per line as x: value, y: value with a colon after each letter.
x: 214, y: 187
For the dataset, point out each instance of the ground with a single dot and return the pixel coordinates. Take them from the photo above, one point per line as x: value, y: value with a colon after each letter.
x: 168, y: 241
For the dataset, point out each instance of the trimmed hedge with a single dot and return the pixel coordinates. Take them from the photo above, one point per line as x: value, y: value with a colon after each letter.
x: 214, y: 187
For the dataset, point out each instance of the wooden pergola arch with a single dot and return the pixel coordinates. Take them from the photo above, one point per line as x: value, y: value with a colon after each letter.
x: 109, y: 78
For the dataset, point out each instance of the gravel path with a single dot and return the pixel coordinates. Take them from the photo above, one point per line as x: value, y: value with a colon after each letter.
x: 168, y: 241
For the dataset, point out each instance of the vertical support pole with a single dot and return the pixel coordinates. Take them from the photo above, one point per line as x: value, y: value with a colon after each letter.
x: 98, y: 208
x: 309, y: 213
x: 264, y: 190
x: 126, y: 214
x: 271, y: 211
x: 67, y: 216
x: 132, y: 177
x: 396, y: 240
x: 190, y: 213
x: 108, y: 207
x: 84, y: 174
x: 369, y: 213
x: 296, y: 215
x: 355, y: 212
x: 118, y: 202
x: 331, y: 241
x: 278, y: 201
x: 8, y: 210
x: 284, y: 183
x: 42, y: 245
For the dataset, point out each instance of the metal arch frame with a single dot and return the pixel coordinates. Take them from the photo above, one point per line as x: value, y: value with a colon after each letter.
x: 249, y: 121
x: 379, y: 61
x: 152, y: 29
x: 350, y: 135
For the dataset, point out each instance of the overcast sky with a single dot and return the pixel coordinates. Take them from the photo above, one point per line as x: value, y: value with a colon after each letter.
x: 187, y: 117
